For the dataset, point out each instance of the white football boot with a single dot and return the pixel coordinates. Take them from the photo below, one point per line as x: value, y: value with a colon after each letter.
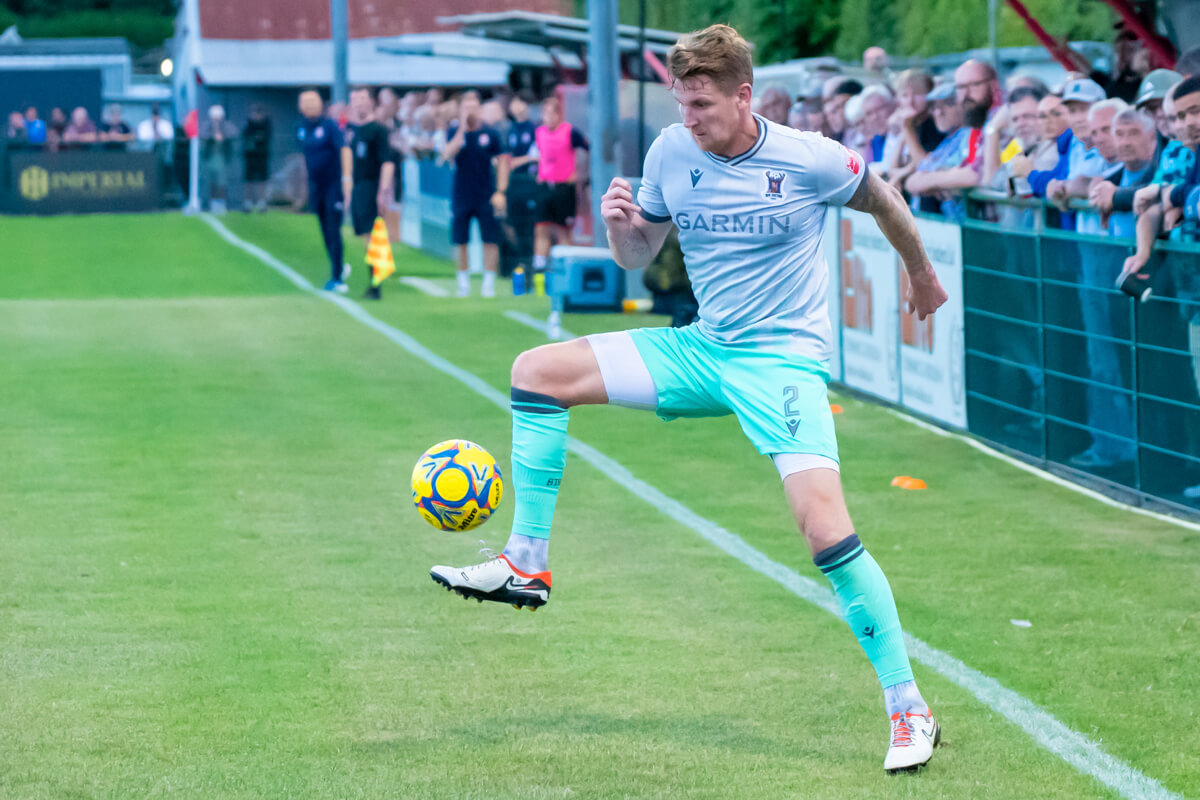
x: 913, y: 738
x: 498, y: 580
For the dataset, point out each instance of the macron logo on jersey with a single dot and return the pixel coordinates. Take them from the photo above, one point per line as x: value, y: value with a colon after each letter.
x: 696, y: 175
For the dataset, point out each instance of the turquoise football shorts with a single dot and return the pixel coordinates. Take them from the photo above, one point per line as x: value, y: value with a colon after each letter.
x: 780, y: 400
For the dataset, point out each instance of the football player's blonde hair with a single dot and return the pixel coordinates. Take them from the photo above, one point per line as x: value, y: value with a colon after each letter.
x: 717, y: 52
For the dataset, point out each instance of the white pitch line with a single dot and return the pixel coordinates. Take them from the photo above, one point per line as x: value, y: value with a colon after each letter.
x: 1041, y: 473
x: 428, y: 287
x: 536, y: 324
x: 1071, y: 746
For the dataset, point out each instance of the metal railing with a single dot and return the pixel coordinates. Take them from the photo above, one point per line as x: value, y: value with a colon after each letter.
x: 1067, y: 369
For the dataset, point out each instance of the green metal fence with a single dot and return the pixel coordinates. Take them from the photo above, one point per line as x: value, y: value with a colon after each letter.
x: 1066, y: 368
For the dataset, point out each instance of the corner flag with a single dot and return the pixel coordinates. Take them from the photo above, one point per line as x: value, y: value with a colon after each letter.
x: 379, y: 253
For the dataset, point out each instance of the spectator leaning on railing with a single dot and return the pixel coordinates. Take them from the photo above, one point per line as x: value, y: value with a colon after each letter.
x: 1078, y: 96
x: 57, y: 128
x: 81, y: 129
x: 14, y: 131
x: 115, y: 131
x: 977, y: 91
x: 1150, y: 99
x: 950, y: 154
x: 1175, y: 176
x: 1098, y: 161
x: 1135, y: 137
x: 1016, y: 121
x: 35, y: 129
x: 912, y: 132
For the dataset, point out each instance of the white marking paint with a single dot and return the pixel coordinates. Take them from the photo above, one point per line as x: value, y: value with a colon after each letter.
x: 537, y: 324
x: 427, y: 286
x: 1069, y: 745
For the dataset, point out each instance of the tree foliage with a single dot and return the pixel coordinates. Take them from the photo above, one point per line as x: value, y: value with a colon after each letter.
x: 847, y: 27
x: 145, y: 23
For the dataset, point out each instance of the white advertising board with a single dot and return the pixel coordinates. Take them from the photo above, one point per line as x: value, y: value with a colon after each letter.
x: 869, y: 308
x: 932, y: 353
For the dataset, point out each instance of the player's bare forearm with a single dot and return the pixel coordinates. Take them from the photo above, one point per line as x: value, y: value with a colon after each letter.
x: 885, y: 203
x: 633, y: 239
x: 630, y: 247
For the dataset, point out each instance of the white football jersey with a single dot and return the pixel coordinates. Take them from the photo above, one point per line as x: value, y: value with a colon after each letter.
x: 750, y: 228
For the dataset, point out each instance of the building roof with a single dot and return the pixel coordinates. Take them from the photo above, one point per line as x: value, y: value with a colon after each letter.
x: 15, y: 46
x: 457, y: 45
x: 552, y: 30
x: 233, y: 63
x: 309, y: 19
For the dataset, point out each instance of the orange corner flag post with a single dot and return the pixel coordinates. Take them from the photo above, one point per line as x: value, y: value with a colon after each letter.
x: 379, y: 253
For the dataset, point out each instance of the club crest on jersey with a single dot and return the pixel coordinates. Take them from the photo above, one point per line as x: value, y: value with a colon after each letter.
x: 774, y: 184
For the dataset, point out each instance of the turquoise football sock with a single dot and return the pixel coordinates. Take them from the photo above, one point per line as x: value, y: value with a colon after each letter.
x: 868, y: 607
x: 539, y: 454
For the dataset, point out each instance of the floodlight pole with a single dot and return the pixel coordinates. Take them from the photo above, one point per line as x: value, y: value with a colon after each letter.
x: 337, y: 33
x: 641, y: 87
x: 603, y: 65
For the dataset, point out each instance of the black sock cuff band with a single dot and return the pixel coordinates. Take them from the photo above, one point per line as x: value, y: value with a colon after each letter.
x: 535, y: 403
x: 839, y: 554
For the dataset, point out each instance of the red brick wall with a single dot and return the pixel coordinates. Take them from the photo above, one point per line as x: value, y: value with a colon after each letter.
x: 309, y: 19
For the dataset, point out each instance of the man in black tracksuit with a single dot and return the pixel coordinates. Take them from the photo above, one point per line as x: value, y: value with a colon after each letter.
x: 322, y: 143
x: 368, y: 160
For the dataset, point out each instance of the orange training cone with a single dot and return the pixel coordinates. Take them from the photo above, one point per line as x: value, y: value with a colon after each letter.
x: 379, y: 253
x: 908, y: 482
x: 835, y: 408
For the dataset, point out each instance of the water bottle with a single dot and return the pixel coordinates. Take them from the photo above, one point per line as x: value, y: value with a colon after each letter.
x: 518, y: 281
x: 539, y: 284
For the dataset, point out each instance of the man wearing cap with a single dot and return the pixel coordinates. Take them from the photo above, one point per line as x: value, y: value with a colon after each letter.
x: 1152, y: 92
x: 953, y: 150
x: 1079, y: 95
x: 1106, y: 196
x: 977, y: 90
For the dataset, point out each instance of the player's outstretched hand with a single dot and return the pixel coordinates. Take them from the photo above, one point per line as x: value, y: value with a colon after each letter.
x: 617, y: 206
x: 925, y: 293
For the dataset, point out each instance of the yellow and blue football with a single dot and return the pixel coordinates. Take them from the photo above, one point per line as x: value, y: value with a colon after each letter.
x: 456, y: 485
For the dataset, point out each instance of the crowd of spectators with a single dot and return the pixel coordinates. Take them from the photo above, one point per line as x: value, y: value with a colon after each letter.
x: 26, y: 129
x: 1109, y: 154
x: 1102, y: 155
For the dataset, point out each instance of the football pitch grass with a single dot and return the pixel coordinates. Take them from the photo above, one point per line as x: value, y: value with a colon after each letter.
x: 212, y: 583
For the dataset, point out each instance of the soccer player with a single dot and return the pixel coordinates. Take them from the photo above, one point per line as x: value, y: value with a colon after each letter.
x: 367, y: 161
x: 749, y: 199
x: 322, y: 143
x: 557, y: 144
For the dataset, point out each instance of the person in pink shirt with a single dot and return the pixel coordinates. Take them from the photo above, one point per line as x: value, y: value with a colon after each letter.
x: 557, y: 142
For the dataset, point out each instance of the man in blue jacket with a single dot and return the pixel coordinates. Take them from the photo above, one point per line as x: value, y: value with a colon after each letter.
x: 1073, y: 145
x: 322, y: 143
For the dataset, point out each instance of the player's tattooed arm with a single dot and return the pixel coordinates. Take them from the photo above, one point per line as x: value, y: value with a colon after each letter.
x: 633, y: 239
x: 884, y: 202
